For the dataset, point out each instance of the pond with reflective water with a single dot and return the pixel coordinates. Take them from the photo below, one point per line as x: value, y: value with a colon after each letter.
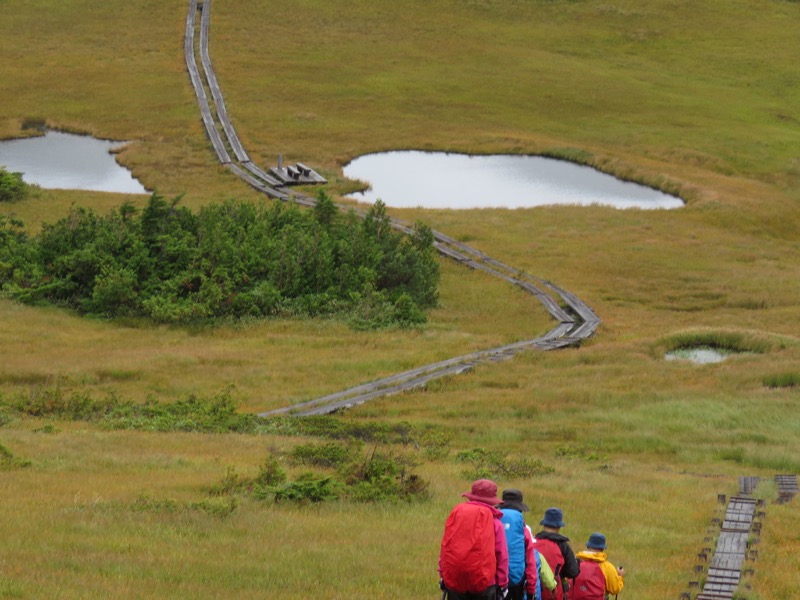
x: 59, y: 160
x: 701, y: 356
x: 407, y: 179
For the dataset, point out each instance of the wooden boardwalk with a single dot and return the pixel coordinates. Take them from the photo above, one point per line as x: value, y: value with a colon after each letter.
x: 575, y: 321
x: 219, y: 128
x: 725, y: 569
x: 787, y: 487
x: 739, y: 530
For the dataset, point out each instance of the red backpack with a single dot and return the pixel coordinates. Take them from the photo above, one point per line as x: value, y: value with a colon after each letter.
x: 551, y: 552
x: 590, y: 584
x: 467, y: 560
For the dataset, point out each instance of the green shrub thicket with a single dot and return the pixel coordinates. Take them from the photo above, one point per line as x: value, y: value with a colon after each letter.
x: 230, y: 260
x: 379, y: 474
x: 12, y: 188
x: 492, y: 464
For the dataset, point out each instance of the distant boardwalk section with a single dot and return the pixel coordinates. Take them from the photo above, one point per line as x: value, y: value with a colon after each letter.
x: 217, y: 122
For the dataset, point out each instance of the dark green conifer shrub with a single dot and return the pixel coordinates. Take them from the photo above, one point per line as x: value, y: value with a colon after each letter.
x: 12, y: 187
x: 230, y: 260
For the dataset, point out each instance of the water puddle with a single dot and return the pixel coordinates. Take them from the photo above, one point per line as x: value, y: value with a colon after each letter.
x: 701, y: 356
x: 407, y: 179
x: 66, y: 161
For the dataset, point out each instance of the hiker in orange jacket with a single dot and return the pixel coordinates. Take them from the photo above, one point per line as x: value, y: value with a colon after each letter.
x: 596, y: 553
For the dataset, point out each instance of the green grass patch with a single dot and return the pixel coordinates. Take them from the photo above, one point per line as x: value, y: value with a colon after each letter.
x: 9, y: 461
x: 782, y: 380
x: 730, y: 341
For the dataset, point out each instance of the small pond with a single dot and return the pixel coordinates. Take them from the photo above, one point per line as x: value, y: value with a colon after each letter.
x: 702, y: 356
x: 66, y: 161
x: 407, y: 179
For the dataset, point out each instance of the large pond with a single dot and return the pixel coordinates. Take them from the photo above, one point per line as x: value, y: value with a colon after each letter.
x: 59, y: 160
x: 406, y: 179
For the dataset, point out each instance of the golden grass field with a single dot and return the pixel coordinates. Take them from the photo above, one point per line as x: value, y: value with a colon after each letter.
x: 698, y: 98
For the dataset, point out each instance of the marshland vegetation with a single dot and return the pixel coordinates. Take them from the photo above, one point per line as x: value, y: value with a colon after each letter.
x: 696, y: 99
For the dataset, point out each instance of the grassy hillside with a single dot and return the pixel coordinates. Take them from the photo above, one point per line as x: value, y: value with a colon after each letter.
x: 698, y: 98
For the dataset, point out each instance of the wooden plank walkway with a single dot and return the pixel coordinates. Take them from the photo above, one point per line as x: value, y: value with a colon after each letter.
x: 213, y: 85
x: 787, y: 487
x: 199, y: 89
x: 739, y: 529
x: 575, y: 320
x: 724, y: 572
x: 217, y: 123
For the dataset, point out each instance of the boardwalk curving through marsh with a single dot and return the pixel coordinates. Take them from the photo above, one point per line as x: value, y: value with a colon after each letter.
x: 575, y: 321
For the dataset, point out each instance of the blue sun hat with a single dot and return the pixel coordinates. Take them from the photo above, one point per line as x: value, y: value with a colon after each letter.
x: 553, y: 517
x: 597, y: 541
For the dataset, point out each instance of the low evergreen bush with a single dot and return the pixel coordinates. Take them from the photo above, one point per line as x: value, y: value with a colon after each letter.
x: 12, y: 187
x: 491, y: 464
x: 231, y: 260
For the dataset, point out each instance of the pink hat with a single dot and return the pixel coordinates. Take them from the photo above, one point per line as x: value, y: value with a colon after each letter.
x: 484, y: 490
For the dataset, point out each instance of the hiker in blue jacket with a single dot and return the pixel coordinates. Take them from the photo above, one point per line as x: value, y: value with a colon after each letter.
x: 522, y: 572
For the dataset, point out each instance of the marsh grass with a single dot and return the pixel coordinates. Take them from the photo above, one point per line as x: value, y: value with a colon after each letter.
x: 782, y: 380
x: 695, y: 98
x: 730, y: 341
x: 263, y: 360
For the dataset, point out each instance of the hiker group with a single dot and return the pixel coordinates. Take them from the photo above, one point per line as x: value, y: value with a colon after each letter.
x: 488, y: 552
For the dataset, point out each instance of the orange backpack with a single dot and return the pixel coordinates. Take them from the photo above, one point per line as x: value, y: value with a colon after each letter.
x: 467, y: 560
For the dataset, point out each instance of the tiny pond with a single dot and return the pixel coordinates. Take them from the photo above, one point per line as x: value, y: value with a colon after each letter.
x: 702, y: 356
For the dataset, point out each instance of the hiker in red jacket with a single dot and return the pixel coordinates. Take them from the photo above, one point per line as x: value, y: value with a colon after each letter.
x: 555, y: 548
x: 473, y: 560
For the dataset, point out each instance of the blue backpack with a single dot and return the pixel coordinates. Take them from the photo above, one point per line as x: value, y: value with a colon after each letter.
x: 514, y: 525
